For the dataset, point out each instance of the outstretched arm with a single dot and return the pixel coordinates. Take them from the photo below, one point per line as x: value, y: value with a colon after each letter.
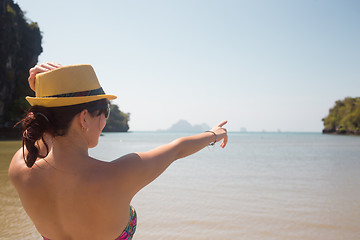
x: 142, y: 168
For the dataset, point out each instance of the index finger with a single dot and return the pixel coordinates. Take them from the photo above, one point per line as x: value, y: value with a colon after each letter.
x: 222, y: 124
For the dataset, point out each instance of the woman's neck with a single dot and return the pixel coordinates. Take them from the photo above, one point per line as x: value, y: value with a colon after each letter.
x: 71, y: 146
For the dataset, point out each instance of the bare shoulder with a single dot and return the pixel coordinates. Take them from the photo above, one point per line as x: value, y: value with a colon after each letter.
x: 16, y: 167
x: 124, y: 165
x: 123, y: 171
x: 128, y: 158
x: 136, y: 170
x: 113, y: 171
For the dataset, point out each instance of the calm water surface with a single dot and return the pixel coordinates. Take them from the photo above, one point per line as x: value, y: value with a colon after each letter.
x: 262, y: 186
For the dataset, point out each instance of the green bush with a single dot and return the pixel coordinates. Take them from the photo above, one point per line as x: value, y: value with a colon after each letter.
x: 344, y: 117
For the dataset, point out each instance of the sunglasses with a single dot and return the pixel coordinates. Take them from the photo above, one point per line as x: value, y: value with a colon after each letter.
x: 103, y: 109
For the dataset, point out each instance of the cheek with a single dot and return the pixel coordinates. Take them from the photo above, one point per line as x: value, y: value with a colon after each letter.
x: 95, y: 133
x: 102, y: 122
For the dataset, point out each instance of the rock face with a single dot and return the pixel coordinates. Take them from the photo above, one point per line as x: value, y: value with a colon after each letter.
x: 118, y: 121
x: 20, y: 46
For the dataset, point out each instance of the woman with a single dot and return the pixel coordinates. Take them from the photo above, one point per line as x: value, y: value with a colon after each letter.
x: 67, y: 193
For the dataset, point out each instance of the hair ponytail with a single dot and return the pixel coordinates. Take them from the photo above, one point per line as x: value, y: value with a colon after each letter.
x: 35, y: 124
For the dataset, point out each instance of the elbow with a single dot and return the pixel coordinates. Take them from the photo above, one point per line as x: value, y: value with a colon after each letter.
x: 178, y: 145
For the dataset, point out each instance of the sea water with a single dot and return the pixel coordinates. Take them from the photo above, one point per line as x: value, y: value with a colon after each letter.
x: 261, y: 186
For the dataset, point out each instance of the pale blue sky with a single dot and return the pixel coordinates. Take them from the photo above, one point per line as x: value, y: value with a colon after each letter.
x: 262, y: 65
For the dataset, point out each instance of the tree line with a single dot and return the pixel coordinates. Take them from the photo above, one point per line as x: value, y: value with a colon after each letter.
x: 344, y: 117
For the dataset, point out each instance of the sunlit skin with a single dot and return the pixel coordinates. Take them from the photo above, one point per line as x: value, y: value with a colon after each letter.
x: 70, y: 195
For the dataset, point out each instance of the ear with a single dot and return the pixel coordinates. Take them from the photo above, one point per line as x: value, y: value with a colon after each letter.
x: 83, y: 117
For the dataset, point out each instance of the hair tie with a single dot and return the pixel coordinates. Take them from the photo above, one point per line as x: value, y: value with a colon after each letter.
x: 43, y: 116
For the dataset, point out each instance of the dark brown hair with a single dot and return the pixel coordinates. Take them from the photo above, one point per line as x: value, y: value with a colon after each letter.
x: 52, y: 120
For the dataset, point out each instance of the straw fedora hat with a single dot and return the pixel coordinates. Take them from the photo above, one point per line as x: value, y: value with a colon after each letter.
x: 68, y: 85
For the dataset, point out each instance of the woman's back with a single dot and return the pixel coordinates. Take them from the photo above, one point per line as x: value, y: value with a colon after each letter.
x: 67, y: 194
x: 72, y: 201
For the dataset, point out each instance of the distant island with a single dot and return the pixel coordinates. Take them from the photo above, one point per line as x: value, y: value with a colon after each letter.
x: 344, y: 117
x: 185, y: 126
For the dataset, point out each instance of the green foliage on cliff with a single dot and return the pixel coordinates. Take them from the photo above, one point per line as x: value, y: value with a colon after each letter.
x: 20, y: 46
x: 118, y: 121
x: 344, y: 117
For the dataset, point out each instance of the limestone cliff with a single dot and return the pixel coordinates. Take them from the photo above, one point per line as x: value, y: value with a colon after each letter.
x: 20, y: 46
